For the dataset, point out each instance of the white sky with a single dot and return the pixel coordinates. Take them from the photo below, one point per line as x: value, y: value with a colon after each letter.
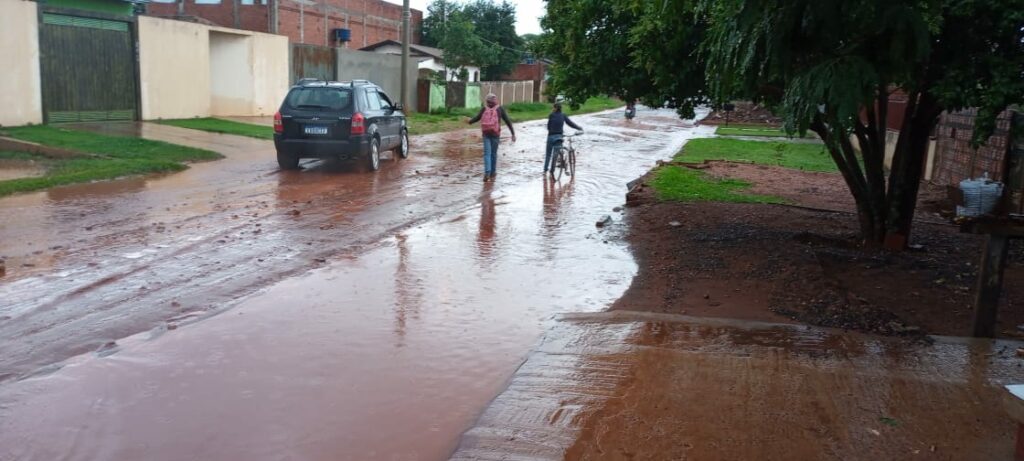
x: 528, y: 13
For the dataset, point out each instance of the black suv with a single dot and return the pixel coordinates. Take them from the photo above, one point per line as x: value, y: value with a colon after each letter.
x: 338, y: 120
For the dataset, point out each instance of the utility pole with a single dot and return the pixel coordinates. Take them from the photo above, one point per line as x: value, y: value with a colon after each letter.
x: 405, y: 55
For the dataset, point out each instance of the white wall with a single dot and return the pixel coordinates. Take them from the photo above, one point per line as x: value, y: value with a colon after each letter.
x: 193, y: 70
x: 270, y: 67
x: 231, y: 74
x: 20, y: 87
x: 174, y: 68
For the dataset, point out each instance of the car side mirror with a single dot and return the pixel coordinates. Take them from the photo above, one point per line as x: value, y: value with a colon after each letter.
x: 398, y: 106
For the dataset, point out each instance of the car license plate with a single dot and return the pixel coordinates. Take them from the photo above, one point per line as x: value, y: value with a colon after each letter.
x: 316, y: 130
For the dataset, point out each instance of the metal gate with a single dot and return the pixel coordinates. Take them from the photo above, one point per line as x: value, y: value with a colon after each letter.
x: 87, y: 67
x: 311, y: 61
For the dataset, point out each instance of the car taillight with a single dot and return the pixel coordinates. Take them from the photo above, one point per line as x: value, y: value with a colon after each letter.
x: 278, y: 127
x: 358, y: 124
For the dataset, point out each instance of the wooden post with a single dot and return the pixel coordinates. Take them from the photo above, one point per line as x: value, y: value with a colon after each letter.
x: 990, y: 284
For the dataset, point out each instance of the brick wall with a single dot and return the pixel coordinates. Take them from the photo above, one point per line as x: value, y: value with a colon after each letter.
x: 250, y: 17
x: 521, y: 72
x: 371, y: 21
x: 956, y: 160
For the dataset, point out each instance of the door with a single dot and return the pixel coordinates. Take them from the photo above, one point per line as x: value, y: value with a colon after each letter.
x: 379, y: 117
x: 394, y: 125
x: 87, y: 67
x: 311, y: 61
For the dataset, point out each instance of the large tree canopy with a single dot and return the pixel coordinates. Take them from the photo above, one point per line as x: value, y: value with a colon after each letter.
x: 495, y: 24
x: 826, y: 65
x: 489, y: 40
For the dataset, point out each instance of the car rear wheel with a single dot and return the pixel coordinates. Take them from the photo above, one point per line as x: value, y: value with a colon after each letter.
x: 403, y: 147
x: 287, y: 162
x: 374, y: 154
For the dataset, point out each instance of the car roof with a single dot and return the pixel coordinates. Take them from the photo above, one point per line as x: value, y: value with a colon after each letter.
x: 312, y: 82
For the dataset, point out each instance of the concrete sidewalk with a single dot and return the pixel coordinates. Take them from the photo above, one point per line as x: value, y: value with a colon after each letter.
x: 651, y: 386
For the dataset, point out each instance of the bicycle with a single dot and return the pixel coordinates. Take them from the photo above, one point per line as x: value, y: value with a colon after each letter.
x: 565, y: 158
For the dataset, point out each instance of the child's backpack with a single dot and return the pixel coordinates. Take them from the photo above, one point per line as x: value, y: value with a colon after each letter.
x: 489, y: 122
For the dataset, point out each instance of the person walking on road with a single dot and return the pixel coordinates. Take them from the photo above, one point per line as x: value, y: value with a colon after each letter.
x: 490, y: 117
x: 556, y: 124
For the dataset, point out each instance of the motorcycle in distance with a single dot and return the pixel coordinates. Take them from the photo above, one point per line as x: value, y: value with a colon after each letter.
x: 630, y: 111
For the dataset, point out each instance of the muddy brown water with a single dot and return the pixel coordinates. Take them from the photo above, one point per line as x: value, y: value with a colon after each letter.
x: 235, y: 311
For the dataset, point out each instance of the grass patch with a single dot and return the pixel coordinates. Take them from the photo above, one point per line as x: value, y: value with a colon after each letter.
x: 686, y: 185
x: 216, y: 125
x: 115, y: 156
x: 420, y: 123
x: 762, y: 131
x: 800, y: 156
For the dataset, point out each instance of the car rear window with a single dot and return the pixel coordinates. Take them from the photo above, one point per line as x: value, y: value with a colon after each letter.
x: 334, y: 99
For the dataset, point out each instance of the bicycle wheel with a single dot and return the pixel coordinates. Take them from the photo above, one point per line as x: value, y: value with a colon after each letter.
x: 560, y: 163
x: 572, y: 162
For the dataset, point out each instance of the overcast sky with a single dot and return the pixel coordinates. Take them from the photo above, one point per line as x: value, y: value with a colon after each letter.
x: 528, y: 13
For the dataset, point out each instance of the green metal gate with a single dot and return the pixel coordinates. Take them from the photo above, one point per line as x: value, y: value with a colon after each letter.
x: 87, y: 66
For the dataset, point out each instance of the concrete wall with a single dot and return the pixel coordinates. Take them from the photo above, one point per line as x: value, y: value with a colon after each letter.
x: 270, y: 67
x: 174, y: 68
x: 382, y: 69
x: 231, y: 74
x: 20, y: 88
x: 508, y: 92
x: 193, y: 70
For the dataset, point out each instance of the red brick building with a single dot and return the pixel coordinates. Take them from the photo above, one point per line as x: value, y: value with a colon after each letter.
x: 303, y: 21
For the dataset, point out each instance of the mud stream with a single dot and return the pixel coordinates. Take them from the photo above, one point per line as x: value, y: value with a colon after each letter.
x: 235, y: 311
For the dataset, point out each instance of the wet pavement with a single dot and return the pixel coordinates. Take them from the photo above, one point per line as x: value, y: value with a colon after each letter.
x: 235, y: 311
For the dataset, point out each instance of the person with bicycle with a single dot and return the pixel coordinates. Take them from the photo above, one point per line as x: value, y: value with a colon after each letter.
x: 556, y: 125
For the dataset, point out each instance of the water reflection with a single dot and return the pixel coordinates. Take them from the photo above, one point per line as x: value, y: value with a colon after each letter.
x: 485, y: 231
x: 408, y: 291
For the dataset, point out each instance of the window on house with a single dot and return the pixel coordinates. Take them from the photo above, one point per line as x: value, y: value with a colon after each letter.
x: 207, y: 2
x: 248, y: 2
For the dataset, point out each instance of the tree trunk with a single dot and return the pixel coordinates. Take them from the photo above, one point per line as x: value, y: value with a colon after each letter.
x: 907, y: 168
x: 869, y: 213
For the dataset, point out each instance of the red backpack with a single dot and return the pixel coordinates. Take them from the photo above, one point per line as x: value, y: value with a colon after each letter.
x: 489, y: 122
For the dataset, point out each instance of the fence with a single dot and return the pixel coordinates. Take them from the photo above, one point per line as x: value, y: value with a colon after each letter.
x: 434, y: 97
x: 956, y: 160
x: 509, y: 92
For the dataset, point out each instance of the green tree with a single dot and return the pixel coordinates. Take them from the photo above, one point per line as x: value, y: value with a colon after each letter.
x: 462, y: 47
x: 829, y: 66
x: 607, y: 47
x: 434, y: 23
x: 495, y: 24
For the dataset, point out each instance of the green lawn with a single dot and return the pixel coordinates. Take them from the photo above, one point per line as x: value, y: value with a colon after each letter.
x: 800, y: 156
x: 752, y: 130
x: 113, y: 157
x: 687, y: 185
x: 420, y: 123
x: 217, y: 125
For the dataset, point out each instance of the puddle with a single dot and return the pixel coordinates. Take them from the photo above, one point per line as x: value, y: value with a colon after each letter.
x: 430, y: 288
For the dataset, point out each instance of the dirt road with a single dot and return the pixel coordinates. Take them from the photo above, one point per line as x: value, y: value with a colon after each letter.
x: 234, y: 311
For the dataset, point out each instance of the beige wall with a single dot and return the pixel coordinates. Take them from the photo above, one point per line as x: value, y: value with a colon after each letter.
x: 174, y: 68
x: 193, y: 70
x: 270, y: 66
x: 20, y: 88
x: 231, y: 74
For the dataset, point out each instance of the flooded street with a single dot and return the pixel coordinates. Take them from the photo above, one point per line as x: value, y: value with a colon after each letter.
x: 234, y: 311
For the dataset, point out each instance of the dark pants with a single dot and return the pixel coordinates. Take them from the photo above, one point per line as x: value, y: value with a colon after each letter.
x: 554, y: 142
